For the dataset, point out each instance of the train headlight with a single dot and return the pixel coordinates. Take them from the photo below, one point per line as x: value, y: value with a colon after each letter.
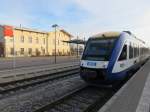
x: 81, y: 63
x: 104, y: 66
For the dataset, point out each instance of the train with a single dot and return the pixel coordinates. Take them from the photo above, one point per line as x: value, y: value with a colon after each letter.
x: 110, y: 57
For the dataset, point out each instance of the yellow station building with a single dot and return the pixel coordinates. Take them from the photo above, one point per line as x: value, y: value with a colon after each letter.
x: 30, y: 42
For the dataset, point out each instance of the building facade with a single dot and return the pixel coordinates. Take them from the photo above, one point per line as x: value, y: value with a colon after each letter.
x: 29, y: 42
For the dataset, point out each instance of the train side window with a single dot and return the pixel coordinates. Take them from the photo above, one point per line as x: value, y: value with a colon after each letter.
x: 123, y: 55
x: 130, y: 51
x: 135, y: 51
x: 138, y: 50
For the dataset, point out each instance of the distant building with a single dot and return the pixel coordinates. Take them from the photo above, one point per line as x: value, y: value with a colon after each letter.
x: 30, y: 42
x: 77, y: 49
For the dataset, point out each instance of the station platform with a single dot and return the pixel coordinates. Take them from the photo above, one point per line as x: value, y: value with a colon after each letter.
x: 34, y: 71
x: 134, y: 96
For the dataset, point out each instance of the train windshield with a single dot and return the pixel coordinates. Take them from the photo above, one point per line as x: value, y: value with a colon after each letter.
x: 98, y: 49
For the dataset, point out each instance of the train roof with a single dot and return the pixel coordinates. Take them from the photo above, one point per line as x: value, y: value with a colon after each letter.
x: 113, y: 34
x: 107, y: 35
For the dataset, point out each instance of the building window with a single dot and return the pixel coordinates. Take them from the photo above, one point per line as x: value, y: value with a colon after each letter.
x: 30, y: 51
x: 37, y: 52
x: 123, y: 54
x: 21, y: 51
x: 22, y: 39
x: 53, y: 52
x: 43, y: 50
x: 11, y: 40
x: 30, y: 39
x: 12, y: 51
x: 37, y: 40
x: 58, y: 52
x: 58, y: 42
x: 54, y: 41
x: 43, y: 40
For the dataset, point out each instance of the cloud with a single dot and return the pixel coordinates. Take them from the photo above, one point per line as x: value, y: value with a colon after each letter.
x: 114, y: 15
x: 80, y: 17
x: 14, y: 12
x: 142, y: 26
x: 41, y: 14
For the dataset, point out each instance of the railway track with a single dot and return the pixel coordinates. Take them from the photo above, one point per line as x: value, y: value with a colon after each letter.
x: 68, y: 95
x: 83, y: 99
x: 47, y: 76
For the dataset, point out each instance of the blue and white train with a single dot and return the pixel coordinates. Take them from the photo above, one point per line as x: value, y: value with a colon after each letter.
x: 111, y: 56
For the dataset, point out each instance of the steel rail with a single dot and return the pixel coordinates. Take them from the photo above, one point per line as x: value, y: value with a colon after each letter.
x: 22, y: 84
x: 81, y: 100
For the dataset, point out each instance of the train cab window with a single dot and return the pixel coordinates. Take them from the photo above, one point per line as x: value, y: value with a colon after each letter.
x: 99, y: 49
x: 130, y: 51
x: 123, y: 55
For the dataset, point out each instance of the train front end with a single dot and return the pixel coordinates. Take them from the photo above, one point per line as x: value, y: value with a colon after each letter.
x: 95, y: 59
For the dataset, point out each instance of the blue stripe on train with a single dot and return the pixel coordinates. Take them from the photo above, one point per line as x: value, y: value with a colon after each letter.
x: 116, y: 51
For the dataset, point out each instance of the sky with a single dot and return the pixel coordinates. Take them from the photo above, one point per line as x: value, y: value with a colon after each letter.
x: 82, y: 18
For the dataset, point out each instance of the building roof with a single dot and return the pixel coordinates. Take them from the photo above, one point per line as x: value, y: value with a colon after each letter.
x: 36, y: 30
x: 31, y: 30
x: 64, y: 31
x: 25, y: 29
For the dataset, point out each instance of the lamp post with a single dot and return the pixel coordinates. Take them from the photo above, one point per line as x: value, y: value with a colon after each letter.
x: 55, y: 26
x: 77, y: 47
x: 84, y: 42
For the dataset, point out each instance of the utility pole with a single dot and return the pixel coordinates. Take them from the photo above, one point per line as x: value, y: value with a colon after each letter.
x: 14, y: 56
x: 84, y: 42
x: 77, y: 47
